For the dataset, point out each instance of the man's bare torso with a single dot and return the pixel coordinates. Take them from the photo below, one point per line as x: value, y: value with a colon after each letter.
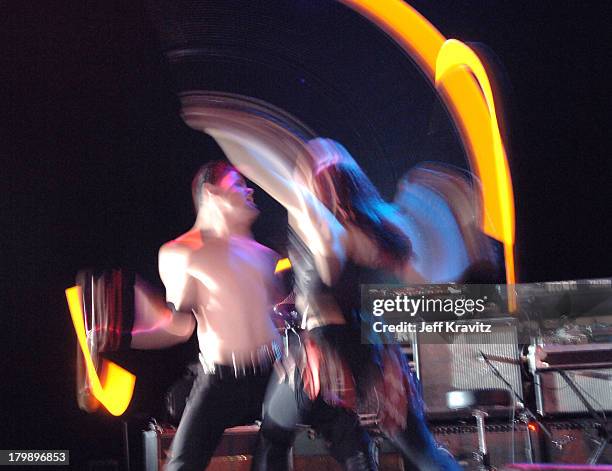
x: 227, y: 282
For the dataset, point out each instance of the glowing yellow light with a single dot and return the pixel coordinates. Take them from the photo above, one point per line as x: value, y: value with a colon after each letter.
x: 463, y: 83
x: 282, y: 265
x: 461, y: 76
x: 407, y: 27
x: 493, y: 171
x: 117, y: 386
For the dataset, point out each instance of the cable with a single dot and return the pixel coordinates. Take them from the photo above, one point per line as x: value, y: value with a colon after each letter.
x: 497, y: 373
x: 586, y: 393
x: 527, y: 410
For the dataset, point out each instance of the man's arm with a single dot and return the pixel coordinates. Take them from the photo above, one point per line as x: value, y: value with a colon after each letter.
x: 156, y: 325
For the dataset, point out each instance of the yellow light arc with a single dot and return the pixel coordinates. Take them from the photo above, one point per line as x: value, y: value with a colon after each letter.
x: 457, y: 67
x: 116, y: 392
x: 462, y: 81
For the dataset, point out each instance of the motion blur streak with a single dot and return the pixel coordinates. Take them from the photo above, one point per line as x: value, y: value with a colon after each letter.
x: 465, y: 98
x: 443, y: 214
x: 486, y: 144
x: 117, y: 386
x: 407, y: 27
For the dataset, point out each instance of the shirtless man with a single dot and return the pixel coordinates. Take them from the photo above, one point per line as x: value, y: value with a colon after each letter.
x: 219, y: 273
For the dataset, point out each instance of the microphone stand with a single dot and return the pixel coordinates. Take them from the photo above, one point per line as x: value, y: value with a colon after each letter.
x: 602, y: 421
x: 528, y: 414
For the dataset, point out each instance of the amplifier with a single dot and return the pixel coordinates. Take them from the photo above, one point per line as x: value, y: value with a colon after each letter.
x: 506, y: 444
x: 554, y: 396
x: 448, y: 362
x: 585, y: 355
x: 310, y: 453
x: 233, y: 453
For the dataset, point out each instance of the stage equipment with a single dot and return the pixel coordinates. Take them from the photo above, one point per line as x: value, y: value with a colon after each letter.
x: 571, y: 347
x: 451, y: 362
x: 289, y: 322
x: 563, y: 302
x: 235, y: 451
x: 474, y: 401
x: 562, y: 391
x: 574, y: 441
x: 560, y: 370
x: 568, y: 357
x: 558, y: 389
x: 310, y: 452
x: 506, y: 443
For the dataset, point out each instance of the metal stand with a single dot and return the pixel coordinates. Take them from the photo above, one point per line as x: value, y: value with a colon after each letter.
x: 483, y: 452
x: 126, y: 445
x: 602, y: 421
x: 527, y: 415
x: 287, y: 331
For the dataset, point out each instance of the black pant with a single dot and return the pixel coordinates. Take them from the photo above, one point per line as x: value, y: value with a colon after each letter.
x: 216, y: 402
x: 285, y: 407
x: 417, y: 446
x: 287, y: 404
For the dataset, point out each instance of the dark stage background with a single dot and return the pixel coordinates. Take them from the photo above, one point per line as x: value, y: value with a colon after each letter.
x: 97, y: 162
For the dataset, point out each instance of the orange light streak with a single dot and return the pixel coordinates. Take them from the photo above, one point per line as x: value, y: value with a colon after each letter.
x: 117, y: 386
x: 407, y: 27
x: 461, y: 77
x: 494, y: 173
x: 462, y: 81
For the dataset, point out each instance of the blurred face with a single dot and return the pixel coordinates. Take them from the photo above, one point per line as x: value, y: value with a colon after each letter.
x: 236, y: 193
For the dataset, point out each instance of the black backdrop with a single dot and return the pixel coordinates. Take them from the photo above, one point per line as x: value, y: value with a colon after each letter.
x: 97, y: 162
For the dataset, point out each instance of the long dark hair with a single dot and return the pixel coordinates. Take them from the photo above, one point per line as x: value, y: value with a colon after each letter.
x: 347, y: 192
